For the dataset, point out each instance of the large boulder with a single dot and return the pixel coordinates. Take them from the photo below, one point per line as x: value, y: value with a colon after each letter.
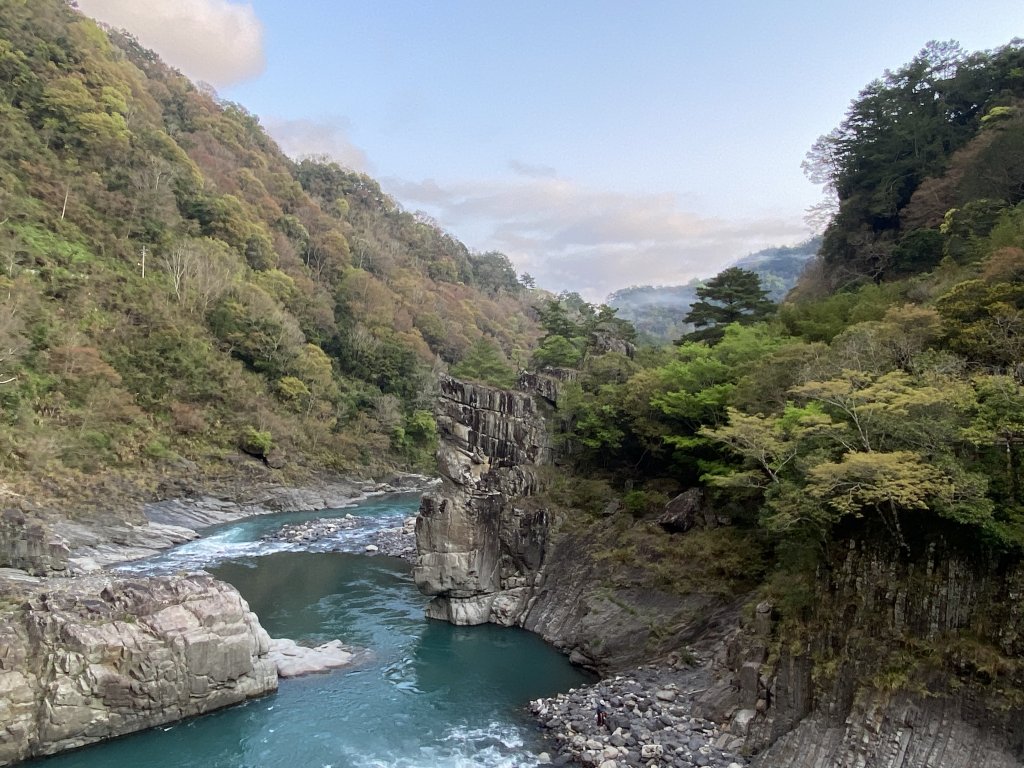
x: 30, y: 544
x: 96, y: 657
x: 686, y: 511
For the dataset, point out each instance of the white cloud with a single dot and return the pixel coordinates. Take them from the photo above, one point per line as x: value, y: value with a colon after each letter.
x: 216, y: 41
x: 301, y: 137
x: 532, y: 171
x: 571, y: 237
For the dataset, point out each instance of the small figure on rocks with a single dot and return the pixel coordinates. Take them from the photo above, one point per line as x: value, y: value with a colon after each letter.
x: 602, y: 715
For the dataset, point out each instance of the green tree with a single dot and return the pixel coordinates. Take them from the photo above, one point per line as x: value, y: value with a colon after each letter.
x: 557, y: 352
x: 901, y: 131
x: 732, y: 296
x: 485, y: 362
x: 864, y: 443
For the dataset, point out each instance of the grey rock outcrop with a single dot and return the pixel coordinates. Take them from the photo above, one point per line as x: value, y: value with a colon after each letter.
x: 547, y: 383
x: 490, y: 549
x: 294, y: 660
x: 898, y: 731
x: 86, y: 546
x: 471, y: 556
x: 94, y: 657
x: 30, y: 544
x: 688, y: 510
x: 912, y: 660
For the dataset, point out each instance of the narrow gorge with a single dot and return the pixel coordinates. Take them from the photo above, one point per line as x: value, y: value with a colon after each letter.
x: 883, y: 673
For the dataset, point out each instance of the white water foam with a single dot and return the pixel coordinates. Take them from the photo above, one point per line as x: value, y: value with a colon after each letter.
x: 496, y: 746
x: 233, y: 544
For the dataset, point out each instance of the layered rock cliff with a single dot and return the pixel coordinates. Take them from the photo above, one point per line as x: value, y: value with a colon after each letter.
x: 476, y: 554
x: 95, y: 657
x: 491, y: 548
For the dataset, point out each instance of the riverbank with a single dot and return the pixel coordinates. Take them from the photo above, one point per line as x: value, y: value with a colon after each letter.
x: 90, y: 658
x: 87, y: 654
x: 640, y: 717
x: 42, y: 543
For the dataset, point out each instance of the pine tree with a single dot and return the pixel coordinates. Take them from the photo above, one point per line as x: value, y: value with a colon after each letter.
x: 732, y: 296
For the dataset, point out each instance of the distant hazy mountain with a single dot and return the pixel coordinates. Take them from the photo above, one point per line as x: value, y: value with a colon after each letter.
x: 657, y: 312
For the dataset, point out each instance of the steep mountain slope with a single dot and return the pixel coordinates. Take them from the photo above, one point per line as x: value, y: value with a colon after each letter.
x: 937, y: 143
x: 172, y: 287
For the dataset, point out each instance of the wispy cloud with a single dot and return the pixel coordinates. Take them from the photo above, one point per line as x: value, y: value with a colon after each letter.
x: 328, y: 136
x: 216, y: 41
x: 572, y: 237
x: 532, y: 171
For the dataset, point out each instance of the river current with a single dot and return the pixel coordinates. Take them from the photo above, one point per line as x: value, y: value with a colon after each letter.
x: 430, y: 694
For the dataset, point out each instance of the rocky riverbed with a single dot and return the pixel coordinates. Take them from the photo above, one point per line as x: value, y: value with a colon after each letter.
x: 72, y: 547
x: 647, y: 721
x: 399, y: 541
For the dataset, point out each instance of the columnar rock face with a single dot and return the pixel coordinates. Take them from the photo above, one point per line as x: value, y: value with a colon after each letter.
x: 911, y: 660
x: 474, y: 553
x: 901, y: 731
x: 489, y: 550
x: 547, y: 383
x: 90, y: 658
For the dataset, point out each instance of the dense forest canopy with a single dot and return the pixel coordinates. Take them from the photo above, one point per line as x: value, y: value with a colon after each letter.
x: 886, y: 390
x: 937, y: 142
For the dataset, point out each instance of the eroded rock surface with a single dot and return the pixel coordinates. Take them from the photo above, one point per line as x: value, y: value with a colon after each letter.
x: 94, y: 657
x: 472, y: 557
x: 294, y: 660
x: 47, y: 541
x: 489, y: 549
x: 898, y: 731
x: 30, y: 545
x: 913, y: 660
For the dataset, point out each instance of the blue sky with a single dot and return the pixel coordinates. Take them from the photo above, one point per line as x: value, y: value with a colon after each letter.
x: 598, y: 144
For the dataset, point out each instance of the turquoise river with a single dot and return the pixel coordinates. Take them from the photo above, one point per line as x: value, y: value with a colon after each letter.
x: 431, y: 694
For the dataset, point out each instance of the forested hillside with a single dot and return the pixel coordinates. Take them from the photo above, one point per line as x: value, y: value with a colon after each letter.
x: 173, y: 287
x: 928, y: 158
x: 883, y: 398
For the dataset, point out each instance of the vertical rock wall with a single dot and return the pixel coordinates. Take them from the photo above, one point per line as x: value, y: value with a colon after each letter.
x: 29, y: 544
x: 488, y: 551
x: 476, y: 554
x: 903, y: 661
